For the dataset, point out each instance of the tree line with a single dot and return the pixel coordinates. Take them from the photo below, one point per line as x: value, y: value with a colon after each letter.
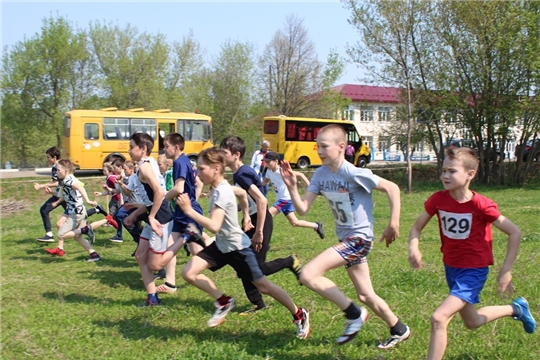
x: 105, y: 65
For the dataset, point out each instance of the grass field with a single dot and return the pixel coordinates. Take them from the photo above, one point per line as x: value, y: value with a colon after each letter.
x: 65, y: 308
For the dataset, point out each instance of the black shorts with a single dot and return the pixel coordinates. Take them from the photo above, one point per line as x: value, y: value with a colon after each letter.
x: 242, y: 261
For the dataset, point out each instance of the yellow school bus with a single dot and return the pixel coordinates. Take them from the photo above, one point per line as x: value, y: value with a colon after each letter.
x: 294, y: 139
x: 92, y: 137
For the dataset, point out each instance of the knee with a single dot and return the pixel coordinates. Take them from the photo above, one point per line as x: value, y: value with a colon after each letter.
x: 306, y: 277
x: 438, y: 321
x: 264, y: 288
x: 188, y: 275
x: 367, y: 298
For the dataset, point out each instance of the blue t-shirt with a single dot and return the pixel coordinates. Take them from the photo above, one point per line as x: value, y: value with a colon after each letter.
x: 182, y: 169
x: 348, y: 192
x: 244, y: 178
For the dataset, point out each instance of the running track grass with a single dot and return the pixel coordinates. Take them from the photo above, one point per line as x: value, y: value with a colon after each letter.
x: 65, y: 308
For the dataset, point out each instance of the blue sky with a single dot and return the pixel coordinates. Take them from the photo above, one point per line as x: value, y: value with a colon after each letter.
x: 212, y: 22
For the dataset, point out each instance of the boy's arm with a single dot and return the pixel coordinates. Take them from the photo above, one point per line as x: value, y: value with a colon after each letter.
x: 242, y: 196
x: 212, y: 224
x: 132, y: 217
x: 82, y: 190
x: 262, y: 204
x: 391, y: 232
x: 303, y: 177
x: 147, y: 173
x: 415, y: 256
x: 176, y: 190
x: 266, y: 181
x: 198, y: 187
x: 49, y: 184
x: 301, y: 204
x: 124, y: 189
x: 504, y: 279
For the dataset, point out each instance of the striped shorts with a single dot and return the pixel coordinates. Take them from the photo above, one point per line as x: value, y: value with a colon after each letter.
x: 354, y: 250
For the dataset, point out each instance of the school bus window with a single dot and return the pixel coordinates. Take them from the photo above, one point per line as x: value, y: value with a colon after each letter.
x: 115, y: 129
x: 91, y: 131
x: 67, y: 125
x: 271, y: 127
x: 147, y: 126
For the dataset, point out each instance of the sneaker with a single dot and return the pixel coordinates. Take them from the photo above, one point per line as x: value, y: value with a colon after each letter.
x: 302, y: 326
x: 147, y: 302
x: 160, y: 275
x: 46, y: 238
x: 352, y: 327
x: 296, y: 268
x: 393, y: 340
x: 320, y: 230
x: 111, y: 221
x: 94, y: 257
x: 252, y: 310
x: 192, y: 234
x: 521, y: 306
x: 101, y: 210
x: 116, y: 239
x: 90, y: 234
x: 221, y: 312
x: 186, y: 248
x: 56, y: 251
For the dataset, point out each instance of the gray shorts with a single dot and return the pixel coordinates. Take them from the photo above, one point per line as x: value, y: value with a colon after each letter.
x: 158, y: 244
x: 73, y: 222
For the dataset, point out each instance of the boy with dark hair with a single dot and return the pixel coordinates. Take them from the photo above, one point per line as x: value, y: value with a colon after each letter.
x: 465, y: 219
x: 244, y: 176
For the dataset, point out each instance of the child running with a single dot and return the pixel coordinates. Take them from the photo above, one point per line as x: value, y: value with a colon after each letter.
x: 247, y: 179
x: 347, y: 190
x: 465, y: 219
x: 74, y: 224
x: 232, y: 246
x: 283, y: 203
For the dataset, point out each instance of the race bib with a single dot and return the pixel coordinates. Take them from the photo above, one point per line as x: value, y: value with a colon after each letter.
x: 341, y: 207
x: 455, y: 226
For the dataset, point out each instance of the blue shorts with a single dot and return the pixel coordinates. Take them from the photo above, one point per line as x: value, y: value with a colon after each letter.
x: 180, y: 227
x: 467, y: 283
x: 284, y: 206
x: 354, y: 250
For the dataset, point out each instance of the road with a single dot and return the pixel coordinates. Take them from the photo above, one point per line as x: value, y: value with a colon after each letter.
x: 43, y: 172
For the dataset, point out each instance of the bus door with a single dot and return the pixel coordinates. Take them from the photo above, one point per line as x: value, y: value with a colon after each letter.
x: 165, y: 127
x: 91, y: 146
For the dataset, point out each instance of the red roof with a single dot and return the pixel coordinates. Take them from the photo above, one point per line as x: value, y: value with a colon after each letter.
x: 370, y: 94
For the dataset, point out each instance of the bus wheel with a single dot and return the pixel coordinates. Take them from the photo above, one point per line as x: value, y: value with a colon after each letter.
x: 193, y: 160
x: 302, y: 163
x: 362, y: 162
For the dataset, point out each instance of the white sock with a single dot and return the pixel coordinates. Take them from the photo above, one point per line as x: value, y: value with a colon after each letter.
x: 49, y: 233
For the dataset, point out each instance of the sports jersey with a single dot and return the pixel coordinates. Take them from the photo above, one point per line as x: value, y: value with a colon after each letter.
x: 465, y: 228
x: 164, y: 213
x: 183, y: 169
x: 348, y: 192
x: 111, y: 182
x: 244, y: 177
x: 72, y: 197
x: 230, y: 236
x: 278, y: 185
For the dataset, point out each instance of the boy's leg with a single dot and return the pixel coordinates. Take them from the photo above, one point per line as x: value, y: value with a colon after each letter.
x: 192, y: 273
x: 147, y: 275
x: 44, y: 211
x: 439, y: 323
x: 294, y: 221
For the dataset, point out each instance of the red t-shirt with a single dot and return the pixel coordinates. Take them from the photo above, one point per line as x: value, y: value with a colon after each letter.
x: 111, y: 182
x: 465, y: 228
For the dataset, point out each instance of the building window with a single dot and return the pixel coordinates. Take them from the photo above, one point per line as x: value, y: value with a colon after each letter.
x: 368, y: 140
x: 384, y: 143
x: 348, y: 113
x: 366, y: 113
x: 384, y: 113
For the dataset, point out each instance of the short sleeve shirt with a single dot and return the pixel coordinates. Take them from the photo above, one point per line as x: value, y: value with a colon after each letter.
x: 465, y: 228
x: 183, y: 169
x: 278, y: 185
x: 230, y: 237
x: 111, y: 182
x: 72, y: 197
x: 348, y: 192
x: 244, y: 177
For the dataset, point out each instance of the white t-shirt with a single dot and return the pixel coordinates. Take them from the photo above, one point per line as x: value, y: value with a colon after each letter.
x: 278, y: 185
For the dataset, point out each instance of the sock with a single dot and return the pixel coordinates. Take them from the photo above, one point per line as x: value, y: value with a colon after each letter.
x: 84, y: 230
x: 152, y: 298
x: 398, y: 329
x: 299, y: 314
x: 352, y: 312
x: 316, y: 227
x: 49, y: 233
x: 516, y: 311
x: 223, y: 300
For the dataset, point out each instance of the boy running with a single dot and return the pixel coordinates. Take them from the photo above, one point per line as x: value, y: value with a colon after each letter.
x: 347, y: 190
x: 232, y: 246
x: 246, y: 178
x: 465, y: 219
x: 283, y: 203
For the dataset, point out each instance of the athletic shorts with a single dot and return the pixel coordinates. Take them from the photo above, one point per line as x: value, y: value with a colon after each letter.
x: 158, y: 244
x: 284, y: 206
x: 466, y: 284
x: 242, y: 261
x: 354, y: 250
x: 180, y: 227
x: 73, y: 222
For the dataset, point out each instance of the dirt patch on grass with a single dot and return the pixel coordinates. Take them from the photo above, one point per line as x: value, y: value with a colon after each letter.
x: 10, y: 207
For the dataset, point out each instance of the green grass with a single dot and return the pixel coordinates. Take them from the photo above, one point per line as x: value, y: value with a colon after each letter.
x: 65, y: 308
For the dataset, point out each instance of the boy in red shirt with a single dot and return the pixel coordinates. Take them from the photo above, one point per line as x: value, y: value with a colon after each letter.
x: 465, y: 219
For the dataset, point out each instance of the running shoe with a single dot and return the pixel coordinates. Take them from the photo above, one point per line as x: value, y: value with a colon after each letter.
x: 101, y: 210
x: 320, y: 230
x: 521, y: 307
x: 352, y: 327
x: 111, y: 221
x: 296, y: 268
x: 116, y: 239
x: 94, y: 257
x: 46, y: 238
x: 90, y: 234
x: 393, y: 340
x: 56, y: 251
x: 252, y: 310
x: 302, y: 326
x: 221, y: 312
x: 149, y: 302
